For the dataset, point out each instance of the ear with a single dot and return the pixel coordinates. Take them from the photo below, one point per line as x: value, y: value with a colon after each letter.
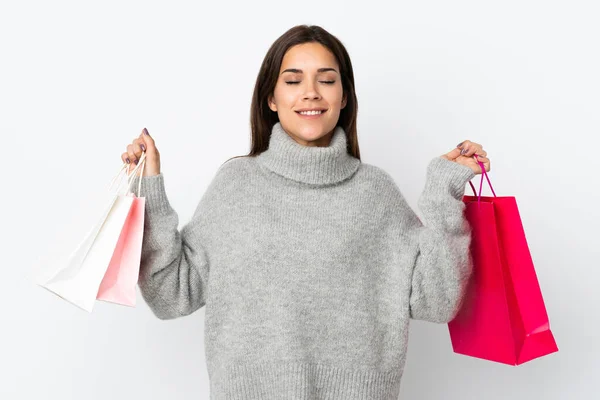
x: 344, y: 101
x: 272, y: 104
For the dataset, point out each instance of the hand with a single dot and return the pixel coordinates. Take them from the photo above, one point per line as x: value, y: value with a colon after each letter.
x: 143, y: 143
x: 464, y: 155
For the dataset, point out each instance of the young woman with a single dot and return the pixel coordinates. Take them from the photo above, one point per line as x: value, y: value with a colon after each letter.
x: 310, y: 262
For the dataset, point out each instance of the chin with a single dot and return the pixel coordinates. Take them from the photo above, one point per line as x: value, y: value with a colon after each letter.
x: 312, y: 131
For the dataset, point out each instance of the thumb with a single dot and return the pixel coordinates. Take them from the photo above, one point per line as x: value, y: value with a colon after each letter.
x: 148, y: 141
x: 453, y: 155
x: 152, y: 166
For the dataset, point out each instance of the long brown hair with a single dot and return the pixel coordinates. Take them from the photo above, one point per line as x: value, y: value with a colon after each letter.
x: 262, y: 118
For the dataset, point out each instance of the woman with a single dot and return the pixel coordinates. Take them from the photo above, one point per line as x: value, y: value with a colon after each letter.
x: 310, y: 263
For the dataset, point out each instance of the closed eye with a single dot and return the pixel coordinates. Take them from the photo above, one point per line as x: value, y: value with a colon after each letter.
x: 296, y: 82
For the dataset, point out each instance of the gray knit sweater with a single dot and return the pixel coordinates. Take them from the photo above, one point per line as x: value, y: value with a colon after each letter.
x: 310, y: 264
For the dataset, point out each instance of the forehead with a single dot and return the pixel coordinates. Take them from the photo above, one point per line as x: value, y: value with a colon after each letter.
x: 308, y: 56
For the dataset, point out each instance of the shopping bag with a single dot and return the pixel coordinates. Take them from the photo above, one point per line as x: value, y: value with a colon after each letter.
x: 503, y: 317
x: 120, y: 280
x: 77, y: 279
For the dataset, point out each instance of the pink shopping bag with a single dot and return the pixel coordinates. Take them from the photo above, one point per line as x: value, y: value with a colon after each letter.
x: 119, y: 283
x: 503, y: 317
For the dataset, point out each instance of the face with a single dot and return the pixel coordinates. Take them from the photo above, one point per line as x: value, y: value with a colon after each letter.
x: 309, y: 79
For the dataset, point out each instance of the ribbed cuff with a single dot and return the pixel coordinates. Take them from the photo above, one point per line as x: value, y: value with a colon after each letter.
x: 153, y: 189
x: 443, y: 173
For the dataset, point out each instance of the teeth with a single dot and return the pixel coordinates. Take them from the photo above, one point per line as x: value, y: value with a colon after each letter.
x: 310, y: 112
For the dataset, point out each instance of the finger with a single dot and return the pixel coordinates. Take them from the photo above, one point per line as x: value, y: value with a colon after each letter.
x: 125, y: 158
x: 486, y: 166
x: 131, y: 153
x: 482, y: 160
x: 485, y: 161
x: 464, y: 147
x: 472, y: 148
x: 138, y: 147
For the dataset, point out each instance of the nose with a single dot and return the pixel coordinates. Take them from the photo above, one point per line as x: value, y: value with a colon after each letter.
x: 311, y: 93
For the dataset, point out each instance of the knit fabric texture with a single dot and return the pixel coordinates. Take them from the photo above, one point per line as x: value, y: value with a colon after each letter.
x: 310, y: 265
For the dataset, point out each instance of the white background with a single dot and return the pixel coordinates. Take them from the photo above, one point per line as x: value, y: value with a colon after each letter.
x: 79, y: 81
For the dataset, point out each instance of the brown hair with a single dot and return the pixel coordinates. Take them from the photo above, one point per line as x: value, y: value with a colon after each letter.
x: 262, y: 118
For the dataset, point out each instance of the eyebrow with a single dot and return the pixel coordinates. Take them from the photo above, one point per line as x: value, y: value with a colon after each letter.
x: 299, y: 71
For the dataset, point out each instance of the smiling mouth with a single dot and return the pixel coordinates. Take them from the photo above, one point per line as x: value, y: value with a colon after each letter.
x: 310, y: 112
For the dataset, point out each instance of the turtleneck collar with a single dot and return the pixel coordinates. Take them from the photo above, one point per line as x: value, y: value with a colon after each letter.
x: 309, y: 164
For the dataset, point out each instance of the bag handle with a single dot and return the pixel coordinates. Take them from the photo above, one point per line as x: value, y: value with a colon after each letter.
x: 481, y: 183
x: 142, y: 164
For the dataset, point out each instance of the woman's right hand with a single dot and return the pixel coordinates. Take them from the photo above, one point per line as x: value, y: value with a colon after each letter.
x: 143, y: 143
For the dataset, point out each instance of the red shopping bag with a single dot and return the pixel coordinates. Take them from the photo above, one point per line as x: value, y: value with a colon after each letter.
x: 503, y: 317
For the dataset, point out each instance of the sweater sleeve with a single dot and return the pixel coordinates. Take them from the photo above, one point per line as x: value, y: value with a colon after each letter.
x: 443, y: 264
x: 174, y: 267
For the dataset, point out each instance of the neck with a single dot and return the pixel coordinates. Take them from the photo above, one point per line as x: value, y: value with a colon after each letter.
x: 309, y: 164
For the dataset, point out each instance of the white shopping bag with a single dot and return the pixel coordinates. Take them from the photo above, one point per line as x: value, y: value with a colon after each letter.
x: 77, y: 279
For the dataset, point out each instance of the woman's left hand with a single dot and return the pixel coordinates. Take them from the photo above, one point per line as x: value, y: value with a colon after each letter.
x: 464, y: 154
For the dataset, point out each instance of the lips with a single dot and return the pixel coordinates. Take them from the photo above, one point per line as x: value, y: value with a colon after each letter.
x: 311, y: 115
x: 311, y: 109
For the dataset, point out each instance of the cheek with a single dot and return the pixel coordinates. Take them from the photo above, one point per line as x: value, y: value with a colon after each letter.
x: 286, y: 98
x: 336, y: 97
